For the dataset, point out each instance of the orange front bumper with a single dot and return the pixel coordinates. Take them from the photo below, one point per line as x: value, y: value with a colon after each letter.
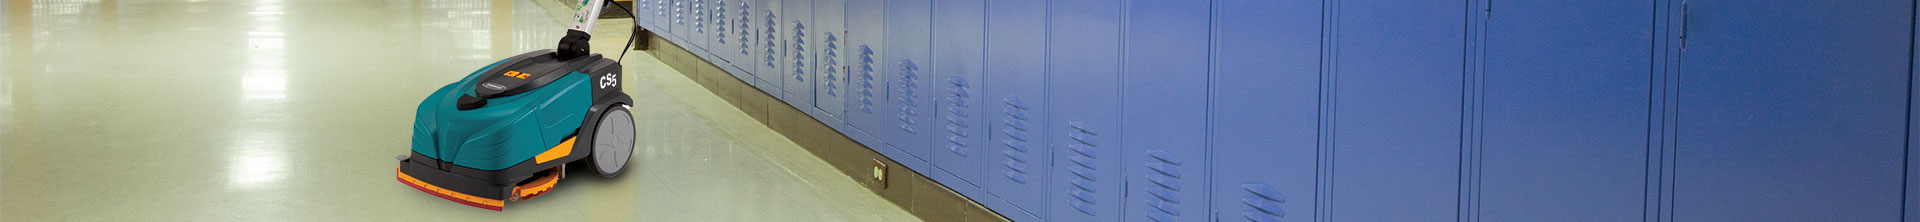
x: 469, y: 200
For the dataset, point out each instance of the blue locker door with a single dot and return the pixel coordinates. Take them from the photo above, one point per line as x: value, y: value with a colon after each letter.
x: 642, y: 13
x: 801, y: 50
x: 1565, y: 111
x: 719, y: 31
x: 865, y: 19
x: 771, y: 53
x: 1398, y: 71
x: 908, y: 46
x: 680, y: 24
x: 743, y: 52
x: 959, y: 62
x: 1791, y: 111
x: 1084, y: 72
x: 697, y: 20
x: 830, y: 90
x: 1016, y: 97
x: 1165, y: 61
x: 660, y: 12
x: 1265, y: 102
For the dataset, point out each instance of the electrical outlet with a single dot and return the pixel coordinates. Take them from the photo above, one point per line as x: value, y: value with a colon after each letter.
x: 880, y: 173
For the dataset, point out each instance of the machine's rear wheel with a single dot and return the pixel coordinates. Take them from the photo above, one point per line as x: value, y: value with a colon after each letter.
x: 612, y: 142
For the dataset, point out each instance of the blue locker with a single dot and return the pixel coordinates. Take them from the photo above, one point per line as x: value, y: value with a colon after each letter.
x: 909, y: 84
x: 802, y: 47
x: 865, y: 19
x: 642, y: 13
x: 959, y: 62
x: 1084, y: 96
x: 1788, y: 111
x: 771, y: 51
x: 830, y: 91
x: 1016, y: 55
x: 1565, y: 106
x: 663, y: 16
x: 697, y: 16
x: 1165, y: 62
x: 743, y: 40
x: 679, y: 26
x: 683, y: 24
x: 719, y: 31
x: 1265, y: 102
x: 1397, y: 131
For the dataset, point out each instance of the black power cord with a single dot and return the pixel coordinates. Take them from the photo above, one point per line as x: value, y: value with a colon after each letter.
x: 635, y: 34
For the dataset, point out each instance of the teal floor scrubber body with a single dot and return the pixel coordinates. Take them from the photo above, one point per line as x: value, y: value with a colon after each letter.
x: 507, y: 131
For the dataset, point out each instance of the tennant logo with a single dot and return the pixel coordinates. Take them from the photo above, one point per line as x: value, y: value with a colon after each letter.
x: 493, y: 86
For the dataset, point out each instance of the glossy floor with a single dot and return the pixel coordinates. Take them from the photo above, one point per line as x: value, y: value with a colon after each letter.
x: 198, y: 110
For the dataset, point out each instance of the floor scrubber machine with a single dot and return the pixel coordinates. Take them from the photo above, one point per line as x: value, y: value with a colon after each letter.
x: 507, y: 131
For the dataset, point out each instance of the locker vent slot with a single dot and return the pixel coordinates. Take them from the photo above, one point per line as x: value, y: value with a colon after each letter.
x: 799, y: 51
x: 1016, y: 141
x: 866, y: 79
x: 909, y: 86
x: 1263, y: 202
x: 679, y: 13
x: 745, y: 28
x: 832, y: 65
x: 957, y: 118
x: 642, y: 4
x: 1165, y: 186
x: 1083, y: 169
x: 699, y: 16
x: 719, y: 22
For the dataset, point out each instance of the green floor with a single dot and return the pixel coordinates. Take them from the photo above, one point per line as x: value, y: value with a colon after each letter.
x: 217, y: 110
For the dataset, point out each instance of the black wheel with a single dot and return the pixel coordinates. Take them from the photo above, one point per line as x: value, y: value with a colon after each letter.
x: 612, y: 142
